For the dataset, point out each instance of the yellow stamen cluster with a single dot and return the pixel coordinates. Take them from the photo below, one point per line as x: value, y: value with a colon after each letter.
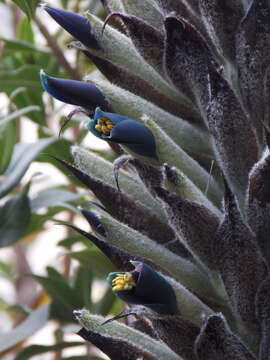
x: 123, y: 282
x: 104, y: 125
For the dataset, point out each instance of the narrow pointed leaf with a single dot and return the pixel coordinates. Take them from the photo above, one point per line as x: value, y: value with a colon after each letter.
x: 23, y: 46
x: 24, y: 76
x: 97, y: 167
x: 93, y: 261
x: 8, y: 137
x: 54, y: 197
x: 33, y: 350
x: 132, y: 82
x: 15, y: 217
x: 124, y: 208
x: 23, y: 155
x: 28, y: 7
x: 144, y: 344
x: 116, y: 349
x: 148, y: 40
x: 119, y: 258
x: 34, y: 322
x: 120, y: 50
x: 16, y: 114
x: 60, y: 292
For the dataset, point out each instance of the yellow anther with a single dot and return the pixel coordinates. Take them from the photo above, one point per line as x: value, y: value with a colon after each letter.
x: 123, y: 282
x: 104, y: 129
x: 104, y: 125
x: 117, y: 288
x: 98, y: 127
x: 117, y: 279
x: 108, y: 122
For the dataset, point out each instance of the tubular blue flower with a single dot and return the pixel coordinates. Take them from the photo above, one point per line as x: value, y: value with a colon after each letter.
x: 133, y: 135
x: 74, y: 92
x: 76, y: 25
x: 144, y: 286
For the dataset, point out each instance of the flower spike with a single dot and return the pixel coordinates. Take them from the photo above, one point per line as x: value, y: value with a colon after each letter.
x: 144, y: 286
x: 133, y: 135
x: 76, y: 25
x: 74, y: 92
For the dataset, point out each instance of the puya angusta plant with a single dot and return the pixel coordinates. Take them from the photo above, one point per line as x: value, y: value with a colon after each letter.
x: 183, y: 90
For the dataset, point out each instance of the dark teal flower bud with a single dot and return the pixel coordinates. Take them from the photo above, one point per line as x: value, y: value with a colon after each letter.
x: 144, y: 286
x: 76, y: 25
x: 135, y: 136
x: 93, y: 221
x: 74, y: 92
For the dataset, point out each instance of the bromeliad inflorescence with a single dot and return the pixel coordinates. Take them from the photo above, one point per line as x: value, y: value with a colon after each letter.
x: 166, y: 64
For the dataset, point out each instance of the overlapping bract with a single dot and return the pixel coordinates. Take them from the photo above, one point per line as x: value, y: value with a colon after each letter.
x: 203, y: 65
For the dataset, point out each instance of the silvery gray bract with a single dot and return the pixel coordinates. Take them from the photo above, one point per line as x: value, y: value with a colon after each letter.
x: 196, y: 73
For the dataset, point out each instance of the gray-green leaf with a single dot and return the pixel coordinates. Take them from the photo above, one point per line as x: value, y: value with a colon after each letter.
x: 15, y: 217
x: 23, y: 155
x: 35, y: 321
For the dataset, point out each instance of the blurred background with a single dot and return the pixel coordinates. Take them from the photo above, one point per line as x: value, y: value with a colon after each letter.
x: 46, y: 270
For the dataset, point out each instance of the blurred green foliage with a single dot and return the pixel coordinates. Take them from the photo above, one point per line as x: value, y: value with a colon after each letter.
x: 24, y: 217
